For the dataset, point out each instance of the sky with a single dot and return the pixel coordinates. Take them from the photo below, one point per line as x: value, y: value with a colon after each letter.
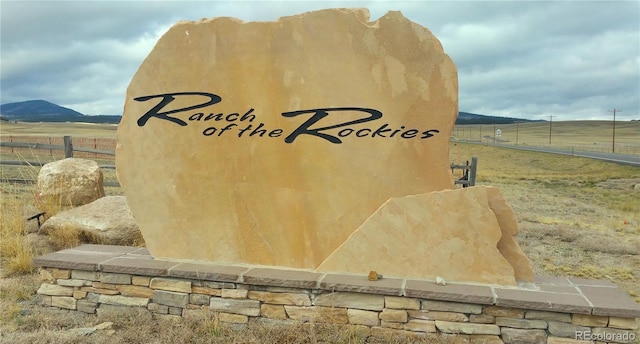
x: 573, y: 60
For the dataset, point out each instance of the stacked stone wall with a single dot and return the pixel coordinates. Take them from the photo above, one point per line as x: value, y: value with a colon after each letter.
x: 95, y: 292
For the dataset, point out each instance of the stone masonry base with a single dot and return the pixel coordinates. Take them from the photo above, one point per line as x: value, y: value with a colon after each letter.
x: 98, y: 278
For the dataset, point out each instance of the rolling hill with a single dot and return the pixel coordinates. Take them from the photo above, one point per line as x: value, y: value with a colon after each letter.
x: 472, y: 118
x: 44, y: 111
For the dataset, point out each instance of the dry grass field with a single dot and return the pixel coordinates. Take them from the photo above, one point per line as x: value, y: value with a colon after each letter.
x: 577, y: 217
x: 581, y: 135
x: 58, y: 129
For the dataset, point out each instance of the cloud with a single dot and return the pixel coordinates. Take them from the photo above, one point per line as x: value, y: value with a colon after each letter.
x: 526, y: 59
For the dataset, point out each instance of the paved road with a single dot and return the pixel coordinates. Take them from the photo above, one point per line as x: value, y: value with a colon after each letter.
x: 623, y: 159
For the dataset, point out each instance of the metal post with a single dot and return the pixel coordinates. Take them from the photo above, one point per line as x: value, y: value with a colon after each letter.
x: 68, y: 147
x: 474, y: 167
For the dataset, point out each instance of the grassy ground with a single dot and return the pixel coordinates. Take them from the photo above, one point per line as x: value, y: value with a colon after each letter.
x: 596, y: 136
x: 578, y: 217
x: 58, y: 129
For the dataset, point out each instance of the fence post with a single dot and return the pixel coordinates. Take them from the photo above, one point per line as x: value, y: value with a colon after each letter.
x: 68, y: 147
x: 474, y: 167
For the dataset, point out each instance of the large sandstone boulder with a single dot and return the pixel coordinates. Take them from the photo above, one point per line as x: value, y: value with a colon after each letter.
x: 68, y: 182
x: 271, y: 142
x: 464, y: 235
x: 107, y: 220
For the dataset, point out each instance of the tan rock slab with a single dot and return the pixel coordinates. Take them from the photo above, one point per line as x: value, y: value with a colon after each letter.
x: 281, y: 298
x: 65, y: 302
x: 317, y: 314
x: 549, y: 316
x: 115, y: 278
x: 170, y: 284
x: 467, y: 328
x: 518, y: 336
x: 199, y: 299
x: 120, y: 300
x: 170, y: 298
x: 561, y: 329
x: 54, y: 290
x: 482, y: 319
x: 85, y: 275
x: 100, y: 291
x: 624, y: 323
x: 86, y: 306
x: 397, y: 302
x: 350, y: 300
x: 507, y: 245
x: 521, y: 323
x: 590, y: 320
x: 290, y: 133
x: 282, y: 278
x: 235, y: 293
x: 504, y: 312
x: 78, y: 294
x: 207, y: 291
x: 140, y: 280
x: 438, y: 315
x: 135, y: 290
x: 419, y: 325
x: 235, y: 306
x: 273, y: 311
x: 60, y: 273
x: 45, y: 276
x: 445, y: 306
x: 394, y: 315
x: 100, y: 285
x: 464, y: 247
x: 73, y: 282
x: 360, y: 317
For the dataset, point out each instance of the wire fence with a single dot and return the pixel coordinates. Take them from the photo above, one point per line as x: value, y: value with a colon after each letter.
x: 53, y: 146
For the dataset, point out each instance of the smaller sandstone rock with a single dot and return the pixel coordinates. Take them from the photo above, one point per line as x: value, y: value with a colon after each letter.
x: 107, y: 220
x: 69, y: 182
x: 512, y: 335
x: 439, y: 241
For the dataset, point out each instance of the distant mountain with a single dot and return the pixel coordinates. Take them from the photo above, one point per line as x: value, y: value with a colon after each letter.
x: 472, y: 118
x: 44, y: 111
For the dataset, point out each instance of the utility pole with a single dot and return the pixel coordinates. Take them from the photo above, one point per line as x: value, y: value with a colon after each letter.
x: 550, y: 121
x: 494, y: 133
x: 613, y: 141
